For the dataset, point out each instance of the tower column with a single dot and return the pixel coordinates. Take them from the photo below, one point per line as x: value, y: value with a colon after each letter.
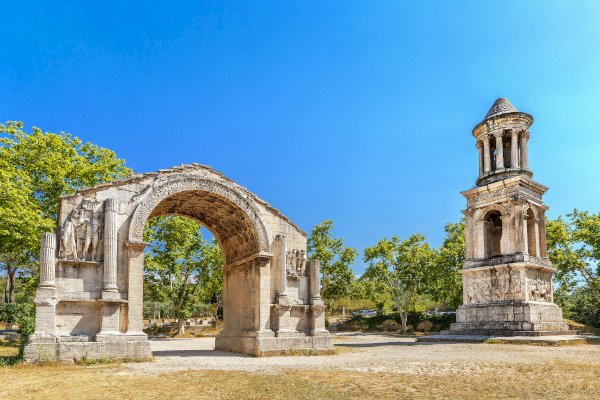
x: 480, y: 152
x: 514, y: 149
x: 536, y: 230
x: 486, y: 154
x: 499, y: 152
x: 480, y: 243
x: 525, y: 241
x: 524, y: 136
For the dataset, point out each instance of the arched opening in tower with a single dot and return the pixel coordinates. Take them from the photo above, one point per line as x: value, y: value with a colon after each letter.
x: 493, y: 234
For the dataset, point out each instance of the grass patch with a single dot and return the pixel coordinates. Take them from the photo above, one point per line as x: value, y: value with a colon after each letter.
x: 556, y: 380
x: 10, y: 352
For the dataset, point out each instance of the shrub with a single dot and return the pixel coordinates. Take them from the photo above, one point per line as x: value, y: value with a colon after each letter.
x: 22, y: 314
x: 361, y: 323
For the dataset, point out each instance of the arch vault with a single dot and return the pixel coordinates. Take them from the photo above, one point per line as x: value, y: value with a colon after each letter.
x: 90, y: 302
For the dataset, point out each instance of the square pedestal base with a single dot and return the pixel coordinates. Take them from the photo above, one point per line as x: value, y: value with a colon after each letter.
x: 271, y: 345
x: 508, y: 318
x: 72, y: 349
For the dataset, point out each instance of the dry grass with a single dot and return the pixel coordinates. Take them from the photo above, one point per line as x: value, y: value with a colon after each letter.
x: 550, y: 380
x: 9, y: 352
x: 546, y: 381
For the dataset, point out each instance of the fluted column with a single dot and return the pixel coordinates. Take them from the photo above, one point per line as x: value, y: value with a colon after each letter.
x: 486, y: 154
x: 514, y: 149
x: 480, y: 151
x: 47, y: 260
x: 282, y: 269
x: 315, y: 283
x: 524, y: 136
x: 110, y: 245
x: 499, y: 152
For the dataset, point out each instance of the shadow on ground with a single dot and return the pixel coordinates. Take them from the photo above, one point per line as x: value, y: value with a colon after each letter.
x: 196, y: 353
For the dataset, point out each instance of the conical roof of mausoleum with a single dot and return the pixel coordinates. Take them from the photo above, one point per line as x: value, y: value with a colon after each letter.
x: 500, y: 106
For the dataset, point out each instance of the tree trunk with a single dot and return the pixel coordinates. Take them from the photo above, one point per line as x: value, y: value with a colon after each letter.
x: 6, y: 289
x: 404, y: 318
x: 9, y: 289
x: 180, y: 326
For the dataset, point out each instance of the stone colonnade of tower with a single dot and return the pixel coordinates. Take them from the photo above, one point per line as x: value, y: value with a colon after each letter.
x: 89, y: 303
x: 507, y: 277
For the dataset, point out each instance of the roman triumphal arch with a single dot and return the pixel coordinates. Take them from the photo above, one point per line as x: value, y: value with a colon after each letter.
x: 89, y: 302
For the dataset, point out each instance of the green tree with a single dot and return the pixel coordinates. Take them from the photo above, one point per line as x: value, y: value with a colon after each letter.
x: 181, y: 267
x: 335, y: 259
x: 37, y: 168
x: 401, y: 268
x: 574, y: 250
x: 445, y: 282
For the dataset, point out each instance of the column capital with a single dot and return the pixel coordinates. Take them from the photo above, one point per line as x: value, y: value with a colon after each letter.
x: 135, y: 245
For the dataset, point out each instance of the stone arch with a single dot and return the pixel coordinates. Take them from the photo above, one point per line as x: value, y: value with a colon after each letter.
x: 230, y: 215
x: 100, y: 299
x: 492, y: 230
x: 233, y: 218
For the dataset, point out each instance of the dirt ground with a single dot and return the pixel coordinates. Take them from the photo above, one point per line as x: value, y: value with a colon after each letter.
x: 366, y: 353
x: 365, y: 366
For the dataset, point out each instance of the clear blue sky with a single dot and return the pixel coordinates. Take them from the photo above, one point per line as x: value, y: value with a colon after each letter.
x: 360, y: 112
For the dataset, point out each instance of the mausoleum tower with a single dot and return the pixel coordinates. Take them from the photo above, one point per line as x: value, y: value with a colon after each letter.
x: 507, y: 277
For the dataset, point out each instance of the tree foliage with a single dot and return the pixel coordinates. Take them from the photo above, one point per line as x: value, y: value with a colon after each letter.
x: 402, y: 269
x: 335, y: 258
x: 181, y: 267
x: 574, y: 250
x: 35, y: 169
x: 445, y: 283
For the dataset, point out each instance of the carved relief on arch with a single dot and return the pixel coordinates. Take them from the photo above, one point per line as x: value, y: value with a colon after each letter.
x: 163, y: 190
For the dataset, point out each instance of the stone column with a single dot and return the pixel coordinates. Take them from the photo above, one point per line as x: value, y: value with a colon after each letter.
x: 525, y: 241
x: 486, y: 154
x: 524, y: 136
x: 315, y: 282
x: 468, y: 234
x: 45, y: 297
x: 317, y: 307
x: 480, y: 243
x: 514, y: 149
x: 499, y: 152
x: 47, y: 260
x: 281, y: 248
x: 480, y: 151
x: 110, y: 245
x: 505, y: 247
x: 135, y: 286
x: 543, y: 239
x: 536, y: 230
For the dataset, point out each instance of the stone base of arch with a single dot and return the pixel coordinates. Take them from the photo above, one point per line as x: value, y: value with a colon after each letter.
x: 269, y: 345
x: 72, y: 348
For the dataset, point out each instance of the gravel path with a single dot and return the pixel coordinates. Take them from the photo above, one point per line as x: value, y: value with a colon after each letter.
x: 364, y: 352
